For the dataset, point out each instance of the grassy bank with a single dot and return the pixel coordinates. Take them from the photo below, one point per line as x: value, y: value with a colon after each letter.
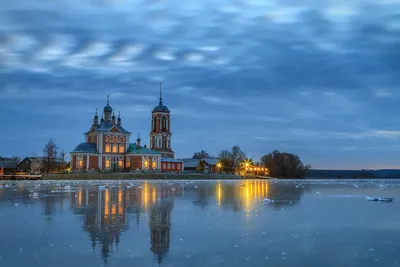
x: 139, y: 176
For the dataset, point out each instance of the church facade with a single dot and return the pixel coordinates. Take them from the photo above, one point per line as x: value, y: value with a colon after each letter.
x: 108, y: 145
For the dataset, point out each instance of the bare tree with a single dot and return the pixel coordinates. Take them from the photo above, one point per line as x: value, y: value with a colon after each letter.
x: 50, y: 156
x: 200, y: 155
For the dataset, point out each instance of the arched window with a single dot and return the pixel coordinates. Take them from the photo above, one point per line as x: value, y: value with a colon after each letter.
x: 114, y: 150
x: 146, y: 162
x: 121, y: 149
x: 164, y: 141
x: 164, y: 123
x: 128, y: 163
x: 120, y: 163
x: 154, y: 163
x: 80, y: 162
x: 154, y: 123
x: 108, y: 163
x: 108, y: 148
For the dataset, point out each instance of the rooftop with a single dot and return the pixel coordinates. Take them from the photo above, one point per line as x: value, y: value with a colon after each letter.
x: 168, y: 159
x: 106, y: 126
x: 86, y: 147
x: 133, y: 149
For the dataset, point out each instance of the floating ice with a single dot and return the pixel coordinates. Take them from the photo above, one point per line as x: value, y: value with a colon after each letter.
x: 267, y: 200
x: 381, y: 199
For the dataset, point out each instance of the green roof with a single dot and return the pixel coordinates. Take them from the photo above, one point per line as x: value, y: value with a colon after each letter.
x: 133, y: 149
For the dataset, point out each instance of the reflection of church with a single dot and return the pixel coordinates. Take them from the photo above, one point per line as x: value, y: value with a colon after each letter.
x: 160, y: 228
x: 104, y: 217
x: 106, y: 212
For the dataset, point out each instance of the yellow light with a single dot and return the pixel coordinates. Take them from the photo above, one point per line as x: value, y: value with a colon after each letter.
x: 145, y: 195
x: 247, y: 164
x: 113, y: 209
x: 219, y: 165
x: 80, y: 198
x: 106, y: 200
x: 119, y: 195
x: 219, y: 195
x: 154, y: 195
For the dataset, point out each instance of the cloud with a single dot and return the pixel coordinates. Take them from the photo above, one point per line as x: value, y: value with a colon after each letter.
x: 263, y: 74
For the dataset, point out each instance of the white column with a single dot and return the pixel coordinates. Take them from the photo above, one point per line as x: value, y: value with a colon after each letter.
x: 100, y: 162
x: 87, y: 162
x: 159, y: 163
x: 100, y: 143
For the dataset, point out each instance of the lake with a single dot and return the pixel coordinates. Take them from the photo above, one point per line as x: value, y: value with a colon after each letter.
x: 199, y: 223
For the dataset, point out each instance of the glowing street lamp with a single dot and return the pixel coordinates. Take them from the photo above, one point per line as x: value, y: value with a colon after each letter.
x: 219, y: 165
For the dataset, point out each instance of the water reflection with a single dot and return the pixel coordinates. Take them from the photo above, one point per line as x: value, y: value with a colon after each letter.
x: 105, y: 212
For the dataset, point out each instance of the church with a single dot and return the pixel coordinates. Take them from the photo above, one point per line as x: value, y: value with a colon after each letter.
x: 108, y: 146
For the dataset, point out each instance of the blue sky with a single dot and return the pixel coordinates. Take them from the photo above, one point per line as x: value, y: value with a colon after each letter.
x: 316, y: 78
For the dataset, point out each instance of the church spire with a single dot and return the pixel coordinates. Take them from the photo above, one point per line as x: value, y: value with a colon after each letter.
x: 119, y: 118
x: 108, y: 100
x: 160, y: 103
x: 96, y: 118
x: 113, y: 117
x: 138, y: 141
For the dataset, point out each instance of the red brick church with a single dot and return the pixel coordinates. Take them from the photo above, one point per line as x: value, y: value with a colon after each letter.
x: 108, y: 145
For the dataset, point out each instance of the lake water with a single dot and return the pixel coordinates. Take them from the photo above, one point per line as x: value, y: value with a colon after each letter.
x: 199, y: 223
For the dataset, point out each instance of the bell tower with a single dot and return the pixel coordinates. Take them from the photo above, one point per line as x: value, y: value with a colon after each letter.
x: 160, y: 134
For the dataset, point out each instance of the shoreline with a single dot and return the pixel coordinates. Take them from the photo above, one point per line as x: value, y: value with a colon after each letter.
x: 140, y: 176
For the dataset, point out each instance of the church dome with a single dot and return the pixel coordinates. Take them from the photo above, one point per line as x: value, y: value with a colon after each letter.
x: 161, y: 108
x: 107, y: 108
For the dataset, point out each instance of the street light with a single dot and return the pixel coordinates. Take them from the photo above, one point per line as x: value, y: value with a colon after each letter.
x: 219, y: 165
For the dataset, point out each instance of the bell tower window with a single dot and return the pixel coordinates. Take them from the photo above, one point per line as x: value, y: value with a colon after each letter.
x: 108, y: 148
x: 163, y: 124
x: 114, y: 149
x: 121, y: 148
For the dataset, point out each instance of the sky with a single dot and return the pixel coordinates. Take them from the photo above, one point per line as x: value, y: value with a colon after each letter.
x: 316, y: 78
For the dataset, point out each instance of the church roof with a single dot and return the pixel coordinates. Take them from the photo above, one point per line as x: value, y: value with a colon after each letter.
x: 168, y: 159
x: 86, y: 147
x: 133, y: 149
x: 106, y: 126
x: 161, y: 108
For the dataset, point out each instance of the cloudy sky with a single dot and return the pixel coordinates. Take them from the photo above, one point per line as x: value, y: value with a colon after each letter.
x: 316, y: 78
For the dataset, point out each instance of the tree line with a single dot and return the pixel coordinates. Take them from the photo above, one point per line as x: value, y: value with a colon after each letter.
x: 279, y: 164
